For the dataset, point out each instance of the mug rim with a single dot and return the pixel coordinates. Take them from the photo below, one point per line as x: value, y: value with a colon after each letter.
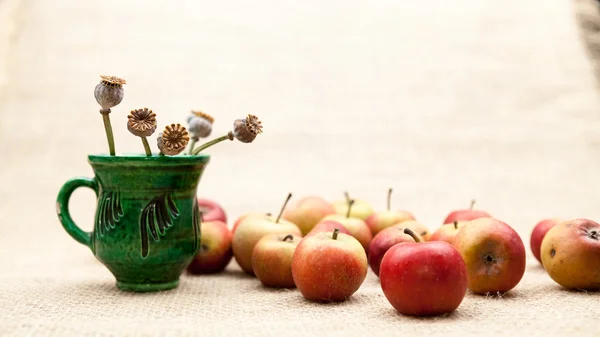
x: 142, y: 158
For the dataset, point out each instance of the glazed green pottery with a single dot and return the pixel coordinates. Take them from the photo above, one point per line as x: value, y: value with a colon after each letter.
x: 147, y: 221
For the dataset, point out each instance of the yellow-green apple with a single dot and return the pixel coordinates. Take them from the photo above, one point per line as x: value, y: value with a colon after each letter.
x: 383, y: 241
x: 307, y: 212
x: 538, y: 233
x: 494, y: 254
x: 571, y: 254
x: 249, y: 215
x: 272, y: 260
x: 419, y: 228
x: 447, y: 232
x: 360, y: 209
x: 215, y: 251
x: 383, y: 219
x: 211, y: 210
x: 253, y: 229
x: 329, y: 266
x: 328, y: 226
x: 357, y: 227
x: 423, y: 279
x: 466, y: 214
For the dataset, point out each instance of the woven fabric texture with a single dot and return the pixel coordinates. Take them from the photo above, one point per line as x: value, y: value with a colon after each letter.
x: 443, y: 101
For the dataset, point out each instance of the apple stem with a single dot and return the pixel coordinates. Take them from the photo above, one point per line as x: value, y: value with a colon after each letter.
x: 593, y: 235
x: 350, y: 203
x: 389, y: 199
x: 411, y: 233
x: 283, y: 207
x: 347, y: 196
x: 335, y: 234
x: 455, y: 224
x: 288, y: 237
x: 472, y: 204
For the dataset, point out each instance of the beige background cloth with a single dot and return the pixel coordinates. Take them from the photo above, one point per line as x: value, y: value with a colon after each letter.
x: 443, y: 101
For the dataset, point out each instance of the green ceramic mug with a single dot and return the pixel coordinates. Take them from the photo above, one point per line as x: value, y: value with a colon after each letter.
x: 147, y: 221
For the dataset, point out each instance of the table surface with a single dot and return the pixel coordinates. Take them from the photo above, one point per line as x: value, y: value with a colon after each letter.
x: 492, y: 100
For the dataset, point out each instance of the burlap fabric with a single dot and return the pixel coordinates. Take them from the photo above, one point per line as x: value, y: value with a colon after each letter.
x: 441, y: 101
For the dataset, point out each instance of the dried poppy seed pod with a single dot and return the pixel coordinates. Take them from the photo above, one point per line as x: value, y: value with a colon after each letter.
x: 109, y: 92
x: 246, y: 130
x: 141, y: 122
x: 173, y: 140
x: 200, y: 125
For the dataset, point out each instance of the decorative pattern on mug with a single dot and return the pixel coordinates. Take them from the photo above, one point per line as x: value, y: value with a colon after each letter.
x: 110, y: 212
x: 157, y: 217
x: 197, y: 219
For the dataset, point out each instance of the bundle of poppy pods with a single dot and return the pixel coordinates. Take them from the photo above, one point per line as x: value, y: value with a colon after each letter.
x: 175, y: 137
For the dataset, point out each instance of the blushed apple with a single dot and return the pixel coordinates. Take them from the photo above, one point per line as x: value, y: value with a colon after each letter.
x: 494, y: 254
x: 360, y: 209
x: 423, y: 279
x: 272, y: 260
x: 307, y: 212
x: 328, y: 226
x: 253, y: 229
x: 538, y: 233
x: 447, y: 232
x: 211, y: 210
x: 383, y: 241
x: 215, y: 251
x: 383, y: 219
x: 466, y: 214
x: 357, y: 227
x: 571, y: 254
x: 329, y: 266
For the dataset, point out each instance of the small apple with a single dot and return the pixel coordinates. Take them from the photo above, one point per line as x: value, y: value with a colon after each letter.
x: 447, y: 232
x: 357, y: 227
x: 383, y: 241
x: 239, y: 220
x: 423, y: 279
x: 571, y: 254
x: 329, y: 266
x: 466, y: 214
x: 307, y: 212
x: 272, y: 260
x: 538, y: 233
x: 419, y: 228
x: 215, y: 251
x: 494, y: 254
x: 380, y: 220
x: 361, y: 209
x: 253, y: 229
x: 328, y: 226
x: 211, y: 210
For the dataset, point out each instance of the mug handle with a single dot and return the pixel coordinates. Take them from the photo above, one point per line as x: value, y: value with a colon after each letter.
x: 62, y: 208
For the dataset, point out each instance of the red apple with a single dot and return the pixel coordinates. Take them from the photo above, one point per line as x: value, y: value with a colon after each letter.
x: 272, y: 260
x: 215, y: 248
x: 466, y: 214
x: 571, y: 254
x: 380, y: 220
x: 423, y: 279
x: 329, y: 266
x: 538, y: 233
x: 307, y: 212
x: 447, y: 232
x: 328, y: 226
x: 211, y: 210
x: 253, y: 229
x: 239, y: 220
x: 383, y: 241
x: 357, y: 227
x: 360, y: 209
x: 494, y: 254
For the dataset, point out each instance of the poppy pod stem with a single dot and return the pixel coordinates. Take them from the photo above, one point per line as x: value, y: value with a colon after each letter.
x: 108, y: 128
x: 193, y: 143
x: 146, y: 146
x: 208, y: 144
